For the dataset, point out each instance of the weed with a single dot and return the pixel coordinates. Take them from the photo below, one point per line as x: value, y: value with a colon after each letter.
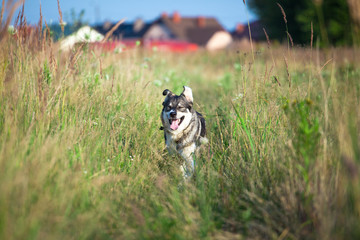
x: 306, y: 135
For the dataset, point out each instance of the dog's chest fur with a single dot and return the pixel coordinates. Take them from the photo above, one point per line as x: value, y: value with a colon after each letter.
x: 184, y: 142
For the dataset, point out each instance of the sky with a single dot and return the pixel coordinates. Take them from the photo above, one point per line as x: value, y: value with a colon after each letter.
x: 228, y: 12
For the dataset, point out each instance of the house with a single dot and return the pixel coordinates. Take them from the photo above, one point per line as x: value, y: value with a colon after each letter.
x: 241, y: 32
x: 173, y: 33
x: 203, y: 31
x: 127, y: 36
x: 126, y: 31
x: 84, y: 34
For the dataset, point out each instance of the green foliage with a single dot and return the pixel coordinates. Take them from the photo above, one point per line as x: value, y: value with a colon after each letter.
x: 331, y: 20
x: 306, y: 135
x: 74, y: 21
x: 47, y: 76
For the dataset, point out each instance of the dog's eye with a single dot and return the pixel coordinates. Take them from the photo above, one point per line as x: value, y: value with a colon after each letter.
x: 181, y: 108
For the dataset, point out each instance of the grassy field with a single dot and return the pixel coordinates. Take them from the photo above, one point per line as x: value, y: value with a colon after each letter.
x: 82, y: 156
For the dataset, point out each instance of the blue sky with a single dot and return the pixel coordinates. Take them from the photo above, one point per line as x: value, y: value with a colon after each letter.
x: 228, y: 12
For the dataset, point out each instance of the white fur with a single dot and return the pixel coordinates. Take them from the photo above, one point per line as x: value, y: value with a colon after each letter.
x: 188, y: 166
x: 188, y: 94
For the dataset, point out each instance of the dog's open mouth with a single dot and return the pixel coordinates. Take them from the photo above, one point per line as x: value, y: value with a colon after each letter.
x: 175, y: 123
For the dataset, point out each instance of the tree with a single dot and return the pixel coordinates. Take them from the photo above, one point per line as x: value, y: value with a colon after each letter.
x: 330, y: 18
x: 77, y: 19
x: 354, y: 6
x: 74, y: 23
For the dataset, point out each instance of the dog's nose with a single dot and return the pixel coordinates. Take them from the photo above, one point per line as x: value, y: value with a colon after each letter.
x: 172, y: 114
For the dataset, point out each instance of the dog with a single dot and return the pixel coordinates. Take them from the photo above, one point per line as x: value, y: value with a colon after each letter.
x: 184, y: 128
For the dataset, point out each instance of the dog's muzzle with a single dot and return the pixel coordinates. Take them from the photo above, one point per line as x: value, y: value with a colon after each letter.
x: 175, y: 123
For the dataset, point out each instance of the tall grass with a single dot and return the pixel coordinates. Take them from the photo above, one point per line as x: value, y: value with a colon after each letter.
x: 81, y: 156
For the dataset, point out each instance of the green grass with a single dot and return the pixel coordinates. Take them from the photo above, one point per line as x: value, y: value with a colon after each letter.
x: 82, y: 157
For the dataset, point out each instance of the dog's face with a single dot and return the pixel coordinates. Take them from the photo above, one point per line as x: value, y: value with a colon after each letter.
x: 177, y: 111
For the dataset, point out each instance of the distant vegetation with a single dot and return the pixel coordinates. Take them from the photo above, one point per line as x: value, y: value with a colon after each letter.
x: 331, y: 20
x: 73, y: 23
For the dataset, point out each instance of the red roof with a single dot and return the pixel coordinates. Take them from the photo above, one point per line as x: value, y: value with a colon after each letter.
x: 172, y: 46
x: 166, y: 45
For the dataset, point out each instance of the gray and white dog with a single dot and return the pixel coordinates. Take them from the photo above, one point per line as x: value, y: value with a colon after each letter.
x: 184, y: 128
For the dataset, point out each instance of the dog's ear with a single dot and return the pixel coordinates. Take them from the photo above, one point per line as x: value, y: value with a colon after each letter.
x: 166, y: 92
x: 187, y: 93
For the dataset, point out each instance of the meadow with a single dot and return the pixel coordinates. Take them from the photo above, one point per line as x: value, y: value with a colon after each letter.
x: 82, y: 156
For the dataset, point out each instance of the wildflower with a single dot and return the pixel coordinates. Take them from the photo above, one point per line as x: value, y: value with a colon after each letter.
x: 157, y: 83
x: 239, y: 96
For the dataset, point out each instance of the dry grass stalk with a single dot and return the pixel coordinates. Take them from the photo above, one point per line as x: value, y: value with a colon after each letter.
x: 61, y: 17
x: 17, y: 20
x: 47, y: 27
x: 52, y: 59
x: 22, y: 16
x: 48, y: 32
x: 269, y: 46
x: 23, y: 22
x: 326, y: 63
x: 109, y: 33
x: 39, y: 84
x: 101, y: 69
x: 267, y: 39
x: 267, y: 74
x: 271, y: 69
x: 74, y: 57
x: 43, y: 40
x: 112, y: 82
x: 277, y: 80
x: 312, y: 36
x: 22, y: 31
x: 2, y: 11
x: 283, y: 12
x: 40, y: 22
x: 291, y: 40
x: 11, y: 8
x: 287, y: 71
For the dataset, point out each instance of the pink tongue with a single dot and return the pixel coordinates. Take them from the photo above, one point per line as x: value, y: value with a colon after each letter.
x: 175, y: 124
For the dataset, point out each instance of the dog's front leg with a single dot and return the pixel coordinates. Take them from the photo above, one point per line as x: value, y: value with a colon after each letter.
x: 188, y: 166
